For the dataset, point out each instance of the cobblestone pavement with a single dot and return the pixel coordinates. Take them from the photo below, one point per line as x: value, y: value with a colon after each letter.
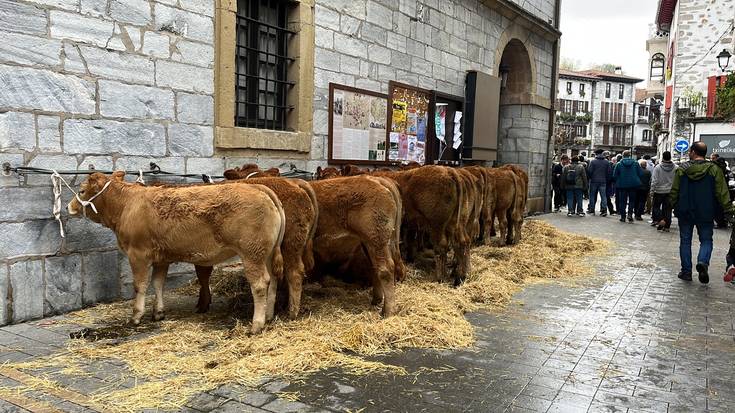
x: 633, y: 338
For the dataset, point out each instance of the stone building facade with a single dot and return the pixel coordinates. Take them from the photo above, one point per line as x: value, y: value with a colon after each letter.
x: 696, y: 31
x: 117, y: 84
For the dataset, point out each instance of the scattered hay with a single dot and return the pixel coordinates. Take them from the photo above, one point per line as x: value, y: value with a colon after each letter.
x: 190, y: 353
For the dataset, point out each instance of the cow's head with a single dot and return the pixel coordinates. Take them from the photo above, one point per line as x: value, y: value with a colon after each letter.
x: 326, y: 173
x: 91, y: 188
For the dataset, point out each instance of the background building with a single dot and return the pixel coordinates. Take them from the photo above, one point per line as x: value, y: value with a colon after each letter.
x: 696, y: 32
x: 198, y: 86
x: 604, y: 111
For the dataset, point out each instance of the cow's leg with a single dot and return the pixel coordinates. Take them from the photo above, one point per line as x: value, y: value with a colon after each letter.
x: 159, y: 279
x: 441, y: 248
x: 205, y: 296
x: 503, y: 227
x: 259, y: 278
x: 141, y: 275
x: 383, y: 265
x: 294, y: 279
x: 270, y: 307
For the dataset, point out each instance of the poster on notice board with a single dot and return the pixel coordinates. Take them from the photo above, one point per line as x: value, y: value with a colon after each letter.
x: 409, y: 123
x: 358, y: 122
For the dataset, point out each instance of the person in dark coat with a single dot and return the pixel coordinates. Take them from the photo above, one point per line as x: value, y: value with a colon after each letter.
x: 627, y: 175
x: 610, y: 187
x: 643, y: 190
x: 556, y: 171
x: 698, y: 186
x: 720, y: 221
x: 598, y: 171
x: 574, y: 181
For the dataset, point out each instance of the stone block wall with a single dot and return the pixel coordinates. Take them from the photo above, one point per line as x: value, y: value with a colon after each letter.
x: 112, y: 84
x: 430, y: 44
x: 117, y: 84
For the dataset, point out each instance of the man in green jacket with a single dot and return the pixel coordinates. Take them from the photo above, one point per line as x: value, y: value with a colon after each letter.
x: 698, y: 187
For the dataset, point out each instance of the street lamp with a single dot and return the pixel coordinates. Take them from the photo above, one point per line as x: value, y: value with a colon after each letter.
x: 723, y: 59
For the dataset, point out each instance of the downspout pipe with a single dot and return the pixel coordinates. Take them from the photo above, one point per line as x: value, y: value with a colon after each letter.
x: 552, y: 110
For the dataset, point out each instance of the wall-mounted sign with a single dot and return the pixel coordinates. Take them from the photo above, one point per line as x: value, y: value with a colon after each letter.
x: 358, y: 122
x: 409, y: 114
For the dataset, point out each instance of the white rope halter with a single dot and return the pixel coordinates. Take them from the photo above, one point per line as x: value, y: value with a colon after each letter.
x: 56, y: 181
x: 140, y: 177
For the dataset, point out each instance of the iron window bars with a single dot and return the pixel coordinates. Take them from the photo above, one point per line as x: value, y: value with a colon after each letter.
x: 261, y: 67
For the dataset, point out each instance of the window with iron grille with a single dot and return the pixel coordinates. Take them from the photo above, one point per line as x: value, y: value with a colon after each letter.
x: 262, y: 64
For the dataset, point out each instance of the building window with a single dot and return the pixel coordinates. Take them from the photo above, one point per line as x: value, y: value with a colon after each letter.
x: 643, y: 110
x: 580, y: 131
x: 657, y: 67
x: 646, y: 135
x: 618, y: 136
x: 608, y: 86
x: 264, y: 82
x: 581, y: 89
x: 621, y: 91
x: 569, y: 88
x: 262, y: 65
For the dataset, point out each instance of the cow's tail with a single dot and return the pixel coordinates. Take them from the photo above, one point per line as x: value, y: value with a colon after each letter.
x: 308, y: 253
x: 276, y: 257
x: 392, y: 186
x: 460, y: 196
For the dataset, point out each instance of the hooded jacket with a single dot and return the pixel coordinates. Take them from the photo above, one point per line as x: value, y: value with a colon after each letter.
x: 599, y: 170
x: 663, y: 177
x: 580, y: 181
x: 698, y: 186
x: 627, y: 174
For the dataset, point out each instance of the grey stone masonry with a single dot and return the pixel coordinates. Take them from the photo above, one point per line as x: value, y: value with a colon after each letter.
x: 115, y: 84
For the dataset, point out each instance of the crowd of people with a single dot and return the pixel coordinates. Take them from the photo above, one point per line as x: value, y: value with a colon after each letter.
x: 695, y: 191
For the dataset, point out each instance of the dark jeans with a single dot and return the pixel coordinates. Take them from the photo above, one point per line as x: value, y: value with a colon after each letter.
x: 558, y: 196
x: 574, y: 201
x: 661, y: 209
x: 626, y: 200
x: 596, y: 188
x: 686, y: 231
x: 640, y: 203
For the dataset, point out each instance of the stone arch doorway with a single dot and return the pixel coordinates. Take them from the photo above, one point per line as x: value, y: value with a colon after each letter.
x: 517, y: 74
x: 515, y: 109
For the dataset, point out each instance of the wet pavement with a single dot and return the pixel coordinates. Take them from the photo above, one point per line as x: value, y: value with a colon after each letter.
x: 633, y: 338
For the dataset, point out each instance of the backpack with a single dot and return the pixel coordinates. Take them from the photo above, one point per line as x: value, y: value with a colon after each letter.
x: 571, y: 177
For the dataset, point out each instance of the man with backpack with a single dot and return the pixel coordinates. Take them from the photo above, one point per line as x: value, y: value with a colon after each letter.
x: 574, y: 181
x: 599, y: 172
x: 699, y: 186
x: 627, y: 175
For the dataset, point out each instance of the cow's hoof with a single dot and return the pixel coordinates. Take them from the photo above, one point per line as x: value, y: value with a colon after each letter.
x: 158, y: 315
x: 292, y: 315
x: 376, y: 301
x: 256, y: 328
x: 133, y: 321
x: 387, y: 312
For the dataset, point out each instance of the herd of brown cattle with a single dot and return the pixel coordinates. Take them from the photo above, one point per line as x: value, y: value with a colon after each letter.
x: 349, y: 221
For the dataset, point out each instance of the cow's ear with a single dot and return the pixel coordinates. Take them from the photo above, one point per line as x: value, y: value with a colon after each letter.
x: 118, y: 176
x: 318, y: 171
x: 96, y: 181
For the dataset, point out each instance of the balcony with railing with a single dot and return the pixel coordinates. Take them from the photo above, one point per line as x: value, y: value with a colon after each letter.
x: 692, y: 108
x: 618, y: 118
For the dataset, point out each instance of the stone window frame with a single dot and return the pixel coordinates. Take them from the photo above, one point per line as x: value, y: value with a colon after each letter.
x: 301, y: 46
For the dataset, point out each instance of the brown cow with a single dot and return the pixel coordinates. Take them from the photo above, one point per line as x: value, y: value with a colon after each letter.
x: 250, y: 170
x: 432, y: 196
x: 519, y: 203
x: 202, y: 225
x: 301, y: 211
x: 505, y: 183
x: 487, y: 200
x: 352, y: 170
x: 360, y: 213
x: 326, y: 173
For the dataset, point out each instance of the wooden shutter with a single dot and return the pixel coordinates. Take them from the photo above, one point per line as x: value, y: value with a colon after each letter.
x: 606, y: 135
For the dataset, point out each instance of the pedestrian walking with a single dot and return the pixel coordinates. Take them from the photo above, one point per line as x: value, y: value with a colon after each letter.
x: 574, y: 181
x: 627, y: 175
x: 720, y: 221
x: 661, y: 181
x: 610, y: 187
x: 698, y: 186
x: 556, y: 172
x: 641, y: 195
x: 599, y: 172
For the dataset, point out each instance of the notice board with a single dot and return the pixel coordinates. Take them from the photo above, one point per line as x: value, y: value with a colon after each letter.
x: 408, y: 113
x: 358, y: 123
